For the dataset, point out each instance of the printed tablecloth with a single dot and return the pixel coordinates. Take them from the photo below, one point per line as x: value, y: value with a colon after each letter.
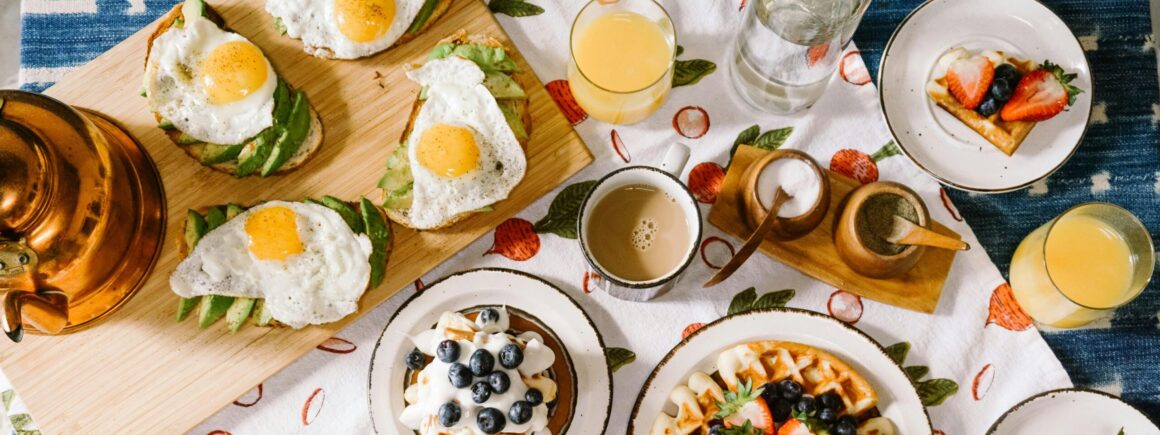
x: 972, y: 359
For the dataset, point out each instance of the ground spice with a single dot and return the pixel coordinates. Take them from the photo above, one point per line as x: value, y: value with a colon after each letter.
x: 876, y: 221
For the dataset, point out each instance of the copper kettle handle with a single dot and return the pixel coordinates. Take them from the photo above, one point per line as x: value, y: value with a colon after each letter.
x: 46, y: 310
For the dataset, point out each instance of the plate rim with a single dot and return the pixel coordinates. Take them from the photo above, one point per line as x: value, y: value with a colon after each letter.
x: 995, y: 426
x: 788, y: 310
x: 942, y: 180
x: 521, y: 274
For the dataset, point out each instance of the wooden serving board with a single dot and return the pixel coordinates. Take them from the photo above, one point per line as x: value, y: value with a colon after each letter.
x: 140, y: 371
x: 815, y: 254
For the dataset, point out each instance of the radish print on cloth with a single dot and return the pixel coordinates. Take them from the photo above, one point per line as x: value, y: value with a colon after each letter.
x: 516, y: 240
x: 719, y: 258
x: 691, y: 122
x: 845, y: 306
x: 860, y: 166
x: 561, y: 93
x: 1005, y: 311
x: 705, y: 181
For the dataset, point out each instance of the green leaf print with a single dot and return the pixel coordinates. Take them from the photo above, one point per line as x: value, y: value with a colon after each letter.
x: 748, y: 300
x: 20, y: 421
x: 689, y: 72
x: 27, y: 432
x: 514, y: 8
x: 618, y: 357
x: 743, y: 301
x: 565, y: 211
x: 7, y: 397
x: 898, y: 351
x: 935, y: 391
x: 916, y: 372
x: 773, y: 139
x: 680, y: 50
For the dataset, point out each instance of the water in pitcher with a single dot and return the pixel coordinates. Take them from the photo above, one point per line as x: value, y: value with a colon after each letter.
x: 787, y: 50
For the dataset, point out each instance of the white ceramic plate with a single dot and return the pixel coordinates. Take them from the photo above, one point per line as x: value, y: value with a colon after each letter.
x: 1074, y: 411
x: 897, y: 398
x: 550, y: 307
x: 936, y: 140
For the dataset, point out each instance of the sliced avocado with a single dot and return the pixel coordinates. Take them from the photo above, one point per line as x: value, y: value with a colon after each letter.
x: 165, y: 124
x: 255, y: 153
x: 397, y: 181
x: 233, y: 210
x: 489, y: 59
x: 280, y: 26
x: 512, y: 116
x: 380, y: 235
x: 441, y: 50
x: 421, y: 18
x: 238, y: 313
x: 313, y: 201
x: 185, y: 139
x: 348, y: 213
x: 214, y: 153
x: 290, y: 141
x: 212, y: 308
x: 283, y: 102
x: 193, y: 7
x: 502, y: 86
x: 485, y: 209
x: 262, y: 313
x: 423, y: 93
x: 195, y: 228
x: 186, y: 306
x: 215, y: 217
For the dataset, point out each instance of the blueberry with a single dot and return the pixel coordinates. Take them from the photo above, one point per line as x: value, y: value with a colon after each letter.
x: 989, y: 107
x: 480, y: 392
x: 489, y: 315
x: 511, y: 356
x: 716, y: 429
x: 490, y: 421
x: 805, y: 405
x: 481, y: 362
x: 459, y: 375
x: 534, y: 396
x: 831, y: 400
x: 448, y: 351
x: 790, y: 390
x: 1001, y: 89
x: 769, y: 393
x: 849, y: 420
x: 499, y: 382
x: 827, y: 415
x: 520, y: 412
x: 449, y: 414
x: 1007, y: 72
x: 843, y: 427
x: 415, y: 359
x: 780, y: 409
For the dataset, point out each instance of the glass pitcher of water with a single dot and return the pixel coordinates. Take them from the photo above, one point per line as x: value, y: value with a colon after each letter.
x: 787, y: 50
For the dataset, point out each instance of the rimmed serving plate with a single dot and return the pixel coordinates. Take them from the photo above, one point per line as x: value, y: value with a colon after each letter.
x: 898, y: 399
x: 541, y: 302
x: 934, y: 139
x: 1073, y: 410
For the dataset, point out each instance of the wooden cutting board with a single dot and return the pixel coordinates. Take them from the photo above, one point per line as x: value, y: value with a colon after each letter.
x: 815, y: 254
x: 140, y: 371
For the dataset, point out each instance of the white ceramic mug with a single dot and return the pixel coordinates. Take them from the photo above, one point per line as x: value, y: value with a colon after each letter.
x: 664, y: 179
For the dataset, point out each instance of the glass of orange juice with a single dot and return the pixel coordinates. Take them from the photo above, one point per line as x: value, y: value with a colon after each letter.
x: 1080, y: 266
x: 621, y: 68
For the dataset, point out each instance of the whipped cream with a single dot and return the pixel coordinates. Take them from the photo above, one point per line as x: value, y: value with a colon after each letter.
x: 433, y: 388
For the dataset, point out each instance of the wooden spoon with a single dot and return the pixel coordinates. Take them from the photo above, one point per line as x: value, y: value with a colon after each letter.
x: 754, y: 240
x: 909, y: 233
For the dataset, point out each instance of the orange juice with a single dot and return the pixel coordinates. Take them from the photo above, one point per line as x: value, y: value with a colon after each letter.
x: 1071, y: 272
x: 621, y: 67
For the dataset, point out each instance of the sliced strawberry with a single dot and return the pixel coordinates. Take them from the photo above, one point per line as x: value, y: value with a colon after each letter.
x: 756, y: 413
x: 969, y: 78
x: 1041, y: 94
x: 794, y: 426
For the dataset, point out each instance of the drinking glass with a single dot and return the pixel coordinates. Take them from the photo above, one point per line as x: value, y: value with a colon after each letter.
x: 595, y: 85
x: 787, y: 50
x: 1049, y: 292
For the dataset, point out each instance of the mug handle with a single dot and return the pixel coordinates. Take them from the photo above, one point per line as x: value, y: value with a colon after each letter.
x: 675, y: 159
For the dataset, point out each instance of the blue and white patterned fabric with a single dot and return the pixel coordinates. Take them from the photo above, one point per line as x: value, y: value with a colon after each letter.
x: 1118, y: 162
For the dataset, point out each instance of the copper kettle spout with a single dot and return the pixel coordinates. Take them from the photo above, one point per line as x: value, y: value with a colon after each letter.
x: 24, y: 301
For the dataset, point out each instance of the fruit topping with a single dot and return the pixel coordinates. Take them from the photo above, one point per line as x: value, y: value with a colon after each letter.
x: 1001, y: 89
x: 844, y: 427
x: 794, y: 427
x: 481, y: 362
x: 490, y: 421
x: 415, y: 359
x: 781, y: 410
x: 717, y: 429
x: 459, y: 375
x: 790, y: 390
x: 534, y: 396
x: 480, y: 392
x: 827, y: 415
x: 499, y: 382
x: 805, y: 405
x: 520, y: 412
x: 1007, y: 72
x: 449, y: 414
x: 448, y: 351
x: 769, y: 392
x: 1041, y: 94
x: 745, y: 406
x: 489, y: 315
x: 510, y: 356
x: 969, y: 79
x: 831, y: 400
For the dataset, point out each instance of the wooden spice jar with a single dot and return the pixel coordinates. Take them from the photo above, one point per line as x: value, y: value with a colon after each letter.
x: 866, y: 219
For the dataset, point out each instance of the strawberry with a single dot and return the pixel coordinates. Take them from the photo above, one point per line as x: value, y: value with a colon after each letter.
x: 745, y: 407
x: 1041, y: 94
x: 794, y: 427
x: 969, y: 78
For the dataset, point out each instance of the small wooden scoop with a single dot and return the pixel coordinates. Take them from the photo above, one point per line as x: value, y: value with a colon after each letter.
x: 909, y: 233
x: 754, y: 240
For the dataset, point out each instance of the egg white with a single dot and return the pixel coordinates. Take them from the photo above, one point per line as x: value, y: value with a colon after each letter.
x: 172, y: 85
x: 320, y: 285
x: 313, y: 22
x: 456, y: 96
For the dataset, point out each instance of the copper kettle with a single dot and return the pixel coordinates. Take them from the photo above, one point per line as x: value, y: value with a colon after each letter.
x: 82, y: 215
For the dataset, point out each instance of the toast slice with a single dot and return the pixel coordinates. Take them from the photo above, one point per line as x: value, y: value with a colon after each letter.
x: 428, y: 14
x: 1006, y: 136
x: 520, y: 107
x: 197, y: 149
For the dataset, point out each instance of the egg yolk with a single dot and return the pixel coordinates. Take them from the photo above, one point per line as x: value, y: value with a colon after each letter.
x: 273, y: 234
x: 232, y: 71
x: 364, y: 20
x: 448, y: 150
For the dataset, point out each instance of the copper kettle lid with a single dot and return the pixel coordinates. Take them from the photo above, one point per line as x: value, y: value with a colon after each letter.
x: 82, y: 198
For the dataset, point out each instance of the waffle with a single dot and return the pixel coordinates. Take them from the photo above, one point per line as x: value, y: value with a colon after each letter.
x: 1007, y: 136
x: 759, y: 363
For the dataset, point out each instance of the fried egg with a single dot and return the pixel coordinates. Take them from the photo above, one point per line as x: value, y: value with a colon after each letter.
x: 345, y: 29
x: 463, y: 154
x: 303, y: 259
x: 214, y: 85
